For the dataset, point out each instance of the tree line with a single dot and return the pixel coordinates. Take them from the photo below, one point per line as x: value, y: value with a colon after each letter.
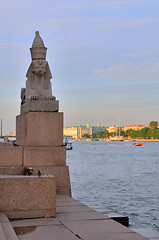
x: 150, y: 132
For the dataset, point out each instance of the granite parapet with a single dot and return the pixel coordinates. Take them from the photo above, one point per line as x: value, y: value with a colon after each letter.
x: 28, y: 196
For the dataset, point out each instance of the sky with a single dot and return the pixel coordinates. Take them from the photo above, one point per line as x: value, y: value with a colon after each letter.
x: 103, y: 55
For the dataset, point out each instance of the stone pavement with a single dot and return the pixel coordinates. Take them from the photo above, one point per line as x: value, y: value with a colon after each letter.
x: 73, y: 221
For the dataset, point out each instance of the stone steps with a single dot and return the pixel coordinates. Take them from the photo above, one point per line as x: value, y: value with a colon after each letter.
x: 116, y: 216
x: 6, y: 229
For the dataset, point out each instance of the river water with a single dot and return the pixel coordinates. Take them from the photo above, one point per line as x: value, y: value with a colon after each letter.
x: 120, y: 176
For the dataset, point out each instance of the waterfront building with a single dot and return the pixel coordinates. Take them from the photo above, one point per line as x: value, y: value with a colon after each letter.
x: 80, y: 130
x: 136, y: 127
x: 112, y: 129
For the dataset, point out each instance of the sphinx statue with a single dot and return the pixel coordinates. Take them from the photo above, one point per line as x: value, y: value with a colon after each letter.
x: 38, y: 84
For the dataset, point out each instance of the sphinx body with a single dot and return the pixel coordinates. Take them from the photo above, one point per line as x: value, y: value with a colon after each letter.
x: 38, y: 84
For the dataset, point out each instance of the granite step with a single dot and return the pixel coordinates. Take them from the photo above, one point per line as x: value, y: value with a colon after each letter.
x: 116, y: 216
x: 6, y: 229
x: 74, y: 221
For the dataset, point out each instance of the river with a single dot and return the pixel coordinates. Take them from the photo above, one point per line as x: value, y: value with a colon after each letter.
x: 120, y: 176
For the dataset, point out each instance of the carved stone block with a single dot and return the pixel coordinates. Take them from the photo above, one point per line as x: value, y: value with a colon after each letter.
x: 43, y: 105
x: 39, y: 129
x: 53, y: 156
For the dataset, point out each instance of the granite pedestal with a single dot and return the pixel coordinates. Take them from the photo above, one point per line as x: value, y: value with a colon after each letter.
x: 39, y: 129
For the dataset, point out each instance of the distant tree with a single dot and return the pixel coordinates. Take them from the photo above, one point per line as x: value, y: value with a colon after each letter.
x: 155, y: 134
x: 86, y: 136
x: 143, y: 132
x: 132, y: 133
x: 149, y: 133
x: 153, y: 125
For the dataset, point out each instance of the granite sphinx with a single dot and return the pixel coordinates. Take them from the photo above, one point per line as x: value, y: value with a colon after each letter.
x: 37, y: 96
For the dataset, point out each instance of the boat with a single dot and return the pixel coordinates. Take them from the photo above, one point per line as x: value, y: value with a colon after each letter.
x: 117, y: 138
x: 138, y: 144
x: 67, y: 141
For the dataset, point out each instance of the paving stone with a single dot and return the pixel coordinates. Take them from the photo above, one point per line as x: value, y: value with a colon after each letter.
x: 66, y: 209
x: 3, y: 218
x: 7, y: 231
x: 95, y: 226
x: 114, y: 236
x: 64, y: 198
x: 76, y: 216
x: 68, y: 203
x: 35, y: 222
x: 74, y: 222
x: 101, y: 230
x: 49, y: 233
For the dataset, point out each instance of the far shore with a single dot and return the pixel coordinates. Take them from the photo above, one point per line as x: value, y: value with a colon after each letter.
x: 131, y: 140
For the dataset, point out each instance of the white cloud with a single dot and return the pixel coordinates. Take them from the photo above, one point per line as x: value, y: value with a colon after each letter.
x: 131, y: 72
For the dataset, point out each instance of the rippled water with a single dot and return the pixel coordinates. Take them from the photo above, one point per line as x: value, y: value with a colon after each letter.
x: 118, y: 175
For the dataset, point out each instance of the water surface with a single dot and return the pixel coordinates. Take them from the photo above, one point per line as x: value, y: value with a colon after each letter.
x: 118, y: 175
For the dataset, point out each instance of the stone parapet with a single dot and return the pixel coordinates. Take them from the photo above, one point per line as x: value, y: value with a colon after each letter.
x: 28, y: 196
x: 62, y: 177
x: 10, y: 155
x: 60, y: 172
x: 55, y: 156
x: 39, y: 129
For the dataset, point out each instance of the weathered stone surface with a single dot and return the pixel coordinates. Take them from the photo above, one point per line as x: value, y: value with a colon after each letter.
x: 45, y: 156
x: 60, y: 172
x: 28, y: 214
x: 6, y: 145
x: 62, y: 177
x: 86, y: 225
x: 10, y: 155
x: 10, y: 170
x: 28, y: 196
x: 39, y: 129
x: 43, y: 105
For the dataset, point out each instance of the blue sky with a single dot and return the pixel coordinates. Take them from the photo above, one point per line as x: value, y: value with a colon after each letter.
x: 103, y: 55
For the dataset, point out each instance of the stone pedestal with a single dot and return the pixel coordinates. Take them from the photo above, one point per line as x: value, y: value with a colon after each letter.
x: 43, y: 105
x: 39, y: 129
x: 28, y: 196
x: 40, y: 135
x: 44, y: 156
x: 10, y: 155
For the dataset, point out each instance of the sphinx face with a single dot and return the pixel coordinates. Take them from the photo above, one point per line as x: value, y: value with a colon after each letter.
x: 39, y: 67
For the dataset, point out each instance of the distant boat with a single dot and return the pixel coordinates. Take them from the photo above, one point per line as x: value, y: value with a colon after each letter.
x: 116, y: 138
x: 138, y: 144
x: 67, y: 141
x: 120, y: 138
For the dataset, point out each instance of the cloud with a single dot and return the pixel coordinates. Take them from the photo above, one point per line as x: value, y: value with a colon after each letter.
x: 131, y: 72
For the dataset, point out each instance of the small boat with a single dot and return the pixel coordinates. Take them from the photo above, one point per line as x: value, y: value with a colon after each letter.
x: 138, y: 144
x: 116, y: 138
x: 67, y: 142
